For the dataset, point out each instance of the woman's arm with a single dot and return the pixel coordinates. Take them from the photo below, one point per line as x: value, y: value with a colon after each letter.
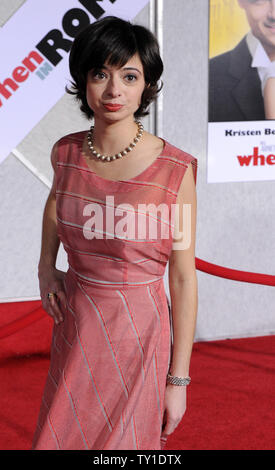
x: 50, y: 278
x: 50, y: 241
x: 184, y: 302
x: 183, y: 280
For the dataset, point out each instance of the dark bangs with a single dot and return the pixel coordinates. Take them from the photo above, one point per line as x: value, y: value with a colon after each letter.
x: 113, y: 45
x: 114, y: 41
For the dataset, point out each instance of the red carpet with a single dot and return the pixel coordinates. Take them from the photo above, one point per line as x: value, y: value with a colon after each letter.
x: 231, y: 402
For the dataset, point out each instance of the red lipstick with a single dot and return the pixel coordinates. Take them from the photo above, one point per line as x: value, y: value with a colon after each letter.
x: 112, y: 107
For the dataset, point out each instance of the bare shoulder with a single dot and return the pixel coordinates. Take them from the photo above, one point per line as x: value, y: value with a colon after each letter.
x: 153, y: 143
x: 187, y: 189
x: 54, y: 155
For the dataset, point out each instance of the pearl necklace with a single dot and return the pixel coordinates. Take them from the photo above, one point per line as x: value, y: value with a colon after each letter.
x: 121, y: 154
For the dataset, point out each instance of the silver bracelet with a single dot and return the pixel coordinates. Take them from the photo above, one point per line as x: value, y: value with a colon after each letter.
x: 172, y: 379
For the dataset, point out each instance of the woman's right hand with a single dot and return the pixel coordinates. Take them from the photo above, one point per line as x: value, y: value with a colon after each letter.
x: 51, y: 280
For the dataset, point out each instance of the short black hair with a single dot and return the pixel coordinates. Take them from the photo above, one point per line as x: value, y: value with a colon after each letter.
x: 114, y: 41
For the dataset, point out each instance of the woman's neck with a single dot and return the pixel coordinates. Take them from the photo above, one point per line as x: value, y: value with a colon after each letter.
x: 111, y: 138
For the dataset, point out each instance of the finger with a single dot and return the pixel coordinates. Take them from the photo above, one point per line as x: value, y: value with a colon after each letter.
x: 61, y: 297
x: 50, y: 312
x: 168, y: 427
x: 61, y: 302
x: 47, y: 306
x: 163, y: 440
x: 57, y: 314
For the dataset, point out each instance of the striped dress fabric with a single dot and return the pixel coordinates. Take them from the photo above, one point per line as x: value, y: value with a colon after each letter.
x: 110, y: 356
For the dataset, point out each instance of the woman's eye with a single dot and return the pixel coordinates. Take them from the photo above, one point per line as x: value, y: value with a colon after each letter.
x: 98, y: 75
x: 130, y: 77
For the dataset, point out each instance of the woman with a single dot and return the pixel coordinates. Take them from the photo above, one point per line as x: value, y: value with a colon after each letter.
x: 108, y: 385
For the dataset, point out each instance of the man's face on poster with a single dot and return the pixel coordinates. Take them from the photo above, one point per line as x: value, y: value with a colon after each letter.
x: 261, y: 18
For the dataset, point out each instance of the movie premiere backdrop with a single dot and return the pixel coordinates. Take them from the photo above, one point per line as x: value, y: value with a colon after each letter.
x: 35, y: 70
x: 240, y: 147
x: 233, y: 219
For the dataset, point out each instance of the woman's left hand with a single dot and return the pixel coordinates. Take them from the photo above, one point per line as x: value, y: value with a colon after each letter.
x: 174, y: 408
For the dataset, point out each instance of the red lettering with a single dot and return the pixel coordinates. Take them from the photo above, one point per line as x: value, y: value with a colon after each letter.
x: 20, y: 74
x: 246, y: 159
x: 3, y: 90
x: 256, y: 156
x: 28, y: 63
x: 270, y: 159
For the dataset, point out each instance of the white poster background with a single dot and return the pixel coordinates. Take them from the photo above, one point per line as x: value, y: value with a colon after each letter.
x: 18, y: 37
x: 226, y: 142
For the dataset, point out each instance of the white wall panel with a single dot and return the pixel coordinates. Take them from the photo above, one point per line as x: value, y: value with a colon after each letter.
x: 23, y: 197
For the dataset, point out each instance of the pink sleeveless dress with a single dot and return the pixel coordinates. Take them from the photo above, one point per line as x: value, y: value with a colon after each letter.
x: 110, y: 356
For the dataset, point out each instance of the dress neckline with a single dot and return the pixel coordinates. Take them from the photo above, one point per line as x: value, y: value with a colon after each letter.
x: 111, y: 181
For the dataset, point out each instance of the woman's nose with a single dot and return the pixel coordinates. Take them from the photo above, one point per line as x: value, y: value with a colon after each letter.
x: 113, y: 88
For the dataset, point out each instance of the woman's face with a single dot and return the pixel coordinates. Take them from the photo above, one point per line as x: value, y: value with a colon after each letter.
x: 115, y: 93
